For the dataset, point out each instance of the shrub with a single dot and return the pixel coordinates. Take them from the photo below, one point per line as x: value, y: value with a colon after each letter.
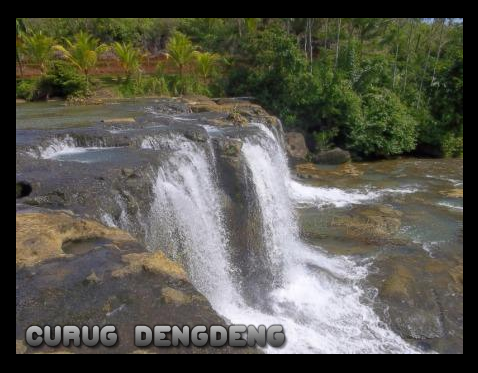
x: 387, y: 127
x: 62, y: 80
x: 26, y: 89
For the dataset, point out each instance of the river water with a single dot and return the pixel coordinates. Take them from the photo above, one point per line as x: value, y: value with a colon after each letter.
x: 364, y: 258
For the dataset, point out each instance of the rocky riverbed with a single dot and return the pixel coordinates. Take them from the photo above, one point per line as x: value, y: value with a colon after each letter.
x: 184, y: 211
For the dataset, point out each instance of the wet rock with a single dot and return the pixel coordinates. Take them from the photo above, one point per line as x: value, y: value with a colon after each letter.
x: 334, y: 156
x: 308, y: 171
x: 21, y: 348
x: 173, y: 296
x: 422, y: 319
x: 296, y: 146
x: 312, y: 171
x: 156, y: 263
x: 419, y: 298
x: 320, y: 227
x: 237, y: 112
x: 200, y: 104
x: 118, y: 120
x: 93, y: 278
x: 129, y: 173
x: 197, y: 136
x: 229, y: 147
x: 171, y: 106
x: 371, y: 224
x: 453, y: 193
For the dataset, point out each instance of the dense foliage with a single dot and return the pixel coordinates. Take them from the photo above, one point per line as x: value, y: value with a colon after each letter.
x: 377, y: 86
x: 61, y: 80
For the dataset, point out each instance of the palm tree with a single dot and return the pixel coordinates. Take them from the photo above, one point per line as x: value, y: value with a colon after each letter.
x: 181, y: 51
x: 130, y: 58
x: 83, y: 52
x: 206, y: 63
x: 38, y: 48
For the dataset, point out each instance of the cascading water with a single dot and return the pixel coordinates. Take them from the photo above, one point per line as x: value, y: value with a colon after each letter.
x: 316, y: 298
x: 186, y: 219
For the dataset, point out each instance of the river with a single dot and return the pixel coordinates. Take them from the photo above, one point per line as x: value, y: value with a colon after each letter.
x: 362, y: 258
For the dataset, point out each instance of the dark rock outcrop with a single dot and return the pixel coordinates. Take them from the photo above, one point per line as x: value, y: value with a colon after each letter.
x: 334, y: 156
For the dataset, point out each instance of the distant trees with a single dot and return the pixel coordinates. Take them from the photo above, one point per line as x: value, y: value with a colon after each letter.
x: 320, y: 74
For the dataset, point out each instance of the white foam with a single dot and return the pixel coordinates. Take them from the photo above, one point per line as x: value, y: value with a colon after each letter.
x: 58, y: 148
x: 323, y: 196
x: 451, y: 206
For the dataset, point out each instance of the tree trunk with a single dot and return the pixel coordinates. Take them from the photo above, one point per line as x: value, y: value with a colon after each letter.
x: 87, y: 81
x: 395, y: 67
x: 311, y: 24
x: 412, y: 26
x: 440, y: 46
x: 424, y: 72
x: 326, y: 32
x: 338, y: 43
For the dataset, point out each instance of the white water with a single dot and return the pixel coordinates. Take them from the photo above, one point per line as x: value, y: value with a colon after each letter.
x: 62, y: 149
x: 186, y: 219
x: 319, y: 300
x: 321, y: 196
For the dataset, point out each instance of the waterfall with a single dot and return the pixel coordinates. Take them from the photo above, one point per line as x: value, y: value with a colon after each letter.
x: 319, y: 300
x: 186, y: 219
x: 316, y: 298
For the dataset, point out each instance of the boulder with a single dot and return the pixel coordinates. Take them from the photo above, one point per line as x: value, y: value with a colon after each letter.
x: 334, y: 156
x: 296, y: 146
